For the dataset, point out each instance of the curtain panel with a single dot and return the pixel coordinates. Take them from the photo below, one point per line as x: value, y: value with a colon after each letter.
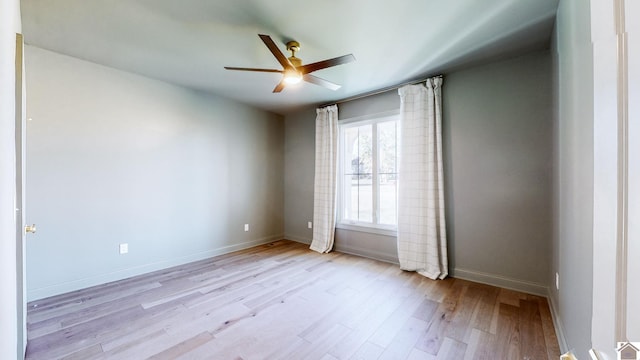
x: 325, y: 181
x: 422, y: 243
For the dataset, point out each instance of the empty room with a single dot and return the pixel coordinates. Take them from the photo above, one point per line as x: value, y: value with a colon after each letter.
x: 331, y: 180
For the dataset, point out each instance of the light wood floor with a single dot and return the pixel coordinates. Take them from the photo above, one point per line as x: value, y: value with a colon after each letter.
x: 282, y: 301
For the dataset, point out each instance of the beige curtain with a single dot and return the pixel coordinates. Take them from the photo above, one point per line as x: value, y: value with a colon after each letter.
x: 422, y: 240
x: 325, y: 182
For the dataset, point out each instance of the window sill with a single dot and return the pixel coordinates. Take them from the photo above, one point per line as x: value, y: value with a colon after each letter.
x: 388, y: 231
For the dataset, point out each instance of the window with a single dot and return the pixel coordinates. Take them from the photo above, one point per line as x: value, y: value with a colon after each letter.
x: 368, y: 173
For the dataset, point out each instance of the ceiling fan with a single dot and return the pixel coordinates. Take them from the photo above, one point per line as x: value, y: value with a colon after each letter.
x: 293, y: 70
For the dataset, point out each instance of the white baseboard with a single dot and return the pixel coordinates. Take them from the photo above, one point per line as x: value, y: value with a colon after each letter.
x: 47, y: 291
x: 501, y: 281
x: 296, y: 238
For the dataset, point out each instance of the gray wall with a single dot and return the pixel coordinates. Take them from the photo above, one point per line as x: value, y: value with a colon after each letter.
x: 118, y: 158
x: 498, y: 152
x: 572, y: 250
x: 498, y: 149
x: 299, y: 158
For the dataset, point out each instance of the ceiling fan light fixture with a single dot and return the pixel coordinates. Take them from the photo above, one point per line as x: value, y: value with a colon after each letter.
x: 292, y: 76
x: 293, y: 71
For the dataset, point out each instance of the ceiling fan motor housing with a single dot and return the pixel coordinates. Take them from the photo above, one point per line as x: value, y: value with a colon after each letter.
x: 294, y: 46
x: 295, y: 61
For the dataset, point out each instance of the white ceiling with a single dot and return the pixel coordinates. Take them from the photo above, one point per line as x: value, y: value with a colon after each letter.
x: 188, y: 42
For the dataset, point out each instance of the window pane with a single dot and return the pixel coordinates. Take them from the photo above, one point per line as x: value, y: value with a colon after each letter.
x: 387, y: 147
x: 388, y: 196
x: 350, y: 196
x: 365, y: 150
x: 357, y: 198
x: 365, y: 200
x: 350, y: 164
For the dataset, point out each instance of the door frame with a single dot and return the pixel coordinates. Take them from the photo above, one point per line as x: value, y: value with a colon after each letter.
x: 20, y: 127
x: 616, y: 282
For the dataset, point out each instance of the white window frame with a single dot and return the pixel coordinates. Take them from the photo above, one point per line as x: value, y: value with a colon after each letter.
x: 353, y: 225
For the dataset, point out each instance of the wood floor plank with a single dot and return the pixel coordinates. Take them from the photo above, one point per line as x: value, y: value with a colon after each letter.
x: 416, y: 354
x: 404, y: 341
x: 283, y: 301
x: 508, y: 336
x: 440, y: 291
x: 484, y: 348
x: 61, y: 342
x: 210, y: 319
x: 341, y: 310
x: 141, y: 347
x: 88, y: 307
x: 86, y: 353
x: 367, y: 351
x: 183, y: 347
x: 550, y: 338
x: 386, y: 332
x: 290, y: 317
x: 486, y: 305
x: 473, y: 344
x: 364, y: 326
x: 288, y: 347
x: 318, y: 346
x: 426, y: 309
x: 431, y: 341
x: 43, y: 329
x: 531, y: 333
x: 135, y: 329
x: 511, y: 297
x: 458, y: 328
x: 328, y: 357
x: 451, y: 349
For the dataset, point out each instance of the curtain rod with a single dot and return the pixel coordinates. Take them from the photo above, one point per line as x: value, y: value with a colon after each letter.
x: 379, y: 91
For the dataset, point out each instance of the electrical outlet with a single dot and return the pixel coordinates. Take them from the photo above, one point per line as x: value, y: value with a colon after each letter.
x: 557, y: 281
x: 310, y: 225
x: 124, y: 248
x: 246, y: 227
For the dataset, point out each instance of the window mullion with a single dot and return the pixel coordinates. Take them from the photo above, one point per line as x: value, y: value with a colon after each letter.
x: 374, y: 173
x: 358, y: 177
x: 341, y: 156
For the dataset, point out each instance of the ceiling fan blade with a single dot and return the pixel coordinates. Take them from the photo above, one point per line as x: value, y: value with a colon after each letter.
x: 266, y: 39
x: 322, y: 82
x: 279, y: 87
x: 253, y: 69
x: 305, y: 69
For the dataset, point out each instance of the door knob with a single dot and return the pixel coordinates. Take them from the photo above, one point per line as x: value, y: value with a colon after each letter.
x: 30, y: 228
